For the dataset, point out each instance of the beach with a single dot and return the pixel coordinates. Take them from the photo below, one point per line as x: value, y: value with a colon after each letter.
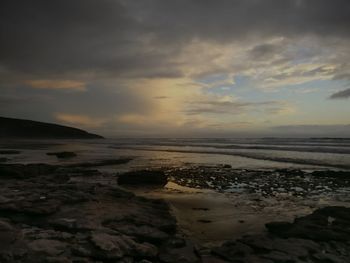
x: 207, y: 202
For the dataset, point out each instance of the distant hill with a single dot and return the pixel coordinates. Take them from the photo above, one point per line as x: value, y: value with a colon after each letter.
x: 17, y: 128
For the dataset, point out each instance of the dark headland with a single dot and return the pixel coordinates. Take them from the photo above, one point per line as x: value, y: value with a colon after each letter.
x: 28, y: 129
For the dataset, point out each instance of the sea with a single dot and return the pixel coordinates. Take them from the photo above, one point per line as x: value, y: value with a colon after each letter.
x: 240, y: 153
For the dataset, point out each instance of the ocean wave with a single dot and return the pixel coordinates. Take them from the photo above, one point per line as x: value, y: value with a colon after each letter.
x: 316, y: 162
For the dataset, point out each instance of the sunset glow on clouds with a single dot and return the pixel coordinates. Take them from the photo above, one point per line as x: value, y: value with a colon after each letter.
x: 206, y: 68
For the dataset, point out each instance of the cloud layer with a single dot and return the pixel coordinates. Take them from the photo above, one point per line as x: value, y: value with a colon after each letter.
x: 164, y: 65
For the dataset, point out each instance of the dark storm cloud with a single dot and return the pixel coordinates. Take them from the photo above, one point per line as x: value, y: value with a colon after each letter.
x: 74, y: 36
x: 344, y: 94
x: 139, y: 38
x: 56, y: 35
x: 227, y: 19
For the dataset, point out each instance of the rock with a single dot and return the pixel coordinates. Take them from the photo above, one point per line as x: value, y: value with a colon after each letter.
x: 103, y: 163
x: 212, y: 259
x: 31, y: 170
x: 57, y: 260
x: 5, y: 226
x: 278, y: 256
x: 46, y: 217
x: 112, y: 246
x: 8, y: 234
x: 85, y: 221
x: 325, y: 257
x: 335, y: 174
x: 143, y: 177
x: 19, y: 171
x: 312, y: 238
x: 38, y: 233
x: 297, y: 189
x: 176, y: 242
x: 146, y: 250
x: 276, y: 183
x: 63, y: 155
x: 120, y: 193
x: 200, y: 208
x: 142, y: 233
x: 185, y: 254
x: 278, y: 227
x: 47, y: 246
x: 293, y: 247
x: 10, y: 172
x: 317, y: 226
x: 233, y: 250
x: 116, y: 247
x: 67, y: 224
x: 161, y: 220
x: 205, y: 221
x: 259, y: 248
x: 44, y: 208
x: 9, y: 152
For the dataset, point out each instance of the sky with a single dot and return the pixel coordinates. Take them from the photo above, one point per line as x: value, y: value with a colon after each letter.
x: 184, y: 68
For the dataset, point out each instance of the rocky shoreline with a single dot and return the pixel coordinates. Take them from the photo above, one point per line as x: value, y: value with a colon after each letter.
x: 267, y: 183
x: 77, y: 214
x: 53, y: 214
